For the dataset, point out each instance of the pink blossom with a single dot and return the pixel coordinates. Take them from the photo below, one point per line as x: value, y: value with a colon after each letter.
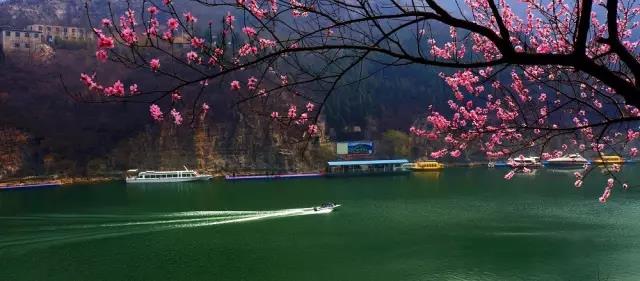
x: 153, y: 10
x: 509, y: 175
x: 247, y: 49
x: 313, y: 129
x: 172, y: 24
x: 229, y: 19
x: 235, y: 85
x: 310, y: 107
x: 252, y: 83
x: 192, y: 57
x: 633, y: 152
x: 105, y: 42
x: 133, y: 89
x: 578, y: 183
x: 101, y: 55
x: 456, y: 153
x: 292, y: 112
x: 116, y: 90
x: 197, y: 43
x: 154, y: 64
x: 177, y: 117
x: 175, y: 96
x: 155, y: 112
x: 275, y: 114
x: 89, y: 82
x: 249, y: 31
x: 106, y: 22
x: 190, y: 18
x: 166, y: 2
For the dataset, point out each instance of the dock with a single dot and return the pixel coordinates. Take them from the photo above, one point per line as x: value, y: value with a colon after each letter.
x: 273, y: 177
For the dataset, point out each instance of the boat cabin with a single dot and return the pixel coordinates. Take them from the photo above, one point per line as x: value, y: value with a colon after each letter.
x: 364, y: 167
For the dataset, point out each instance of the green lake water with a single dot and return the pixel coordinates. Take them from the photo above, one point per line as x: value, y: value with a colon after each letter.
x: 459, y: 224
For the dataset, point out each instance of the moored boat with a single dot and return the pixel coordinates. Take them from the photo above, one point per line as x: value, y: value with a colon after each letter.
x: 30, y: 185
x: 186, y: 175
x: 524, y: 162
x: 608, y: 160
x: 423, y: 166
x: 571, y: 160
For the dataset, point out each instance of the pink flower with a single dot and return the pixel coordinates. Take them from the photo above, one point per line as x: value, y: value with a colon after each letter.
x: 133, y: 89
x: 90, y: 82
x: 101, y: 55
x: 153, y: 10
x: 155, y: 64
x: 105, y: 42
x: 456, y: 153
x: 633, y: 152
x: 197, y: 42
x: 156, y: 113
x: 252, y: 83
x: 247, y: 49
x: 578, y: 183
x: 313, y: 129
x: 235, y: 85
x: 175, y: 96
x: 292, y: 112
x: 116, y: 90
x: 310, y: 107
x: 106, y: 22
x: 229, y: 19
x: 172, y: 24
x: 249, y: 31
x: 275, y: 115
x: 205, y: 107
x: 509, y: 175
x: 192, y: 56
x: 177, y: 117
x: 166, y: 2
x: 190, y: 18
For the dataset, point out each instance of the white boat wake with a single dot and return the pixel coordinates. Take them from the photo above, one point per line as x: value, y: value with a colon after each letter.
x: 53, y: 229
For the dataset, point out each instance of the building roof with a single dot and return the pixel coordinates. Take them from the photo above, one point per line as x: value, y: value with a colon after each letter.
x: 367, y: 162
x: 17, y: 29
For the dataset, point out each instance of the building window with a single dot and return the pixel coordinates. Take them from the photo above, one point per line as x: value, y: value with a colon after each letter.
x: 26, y: 35
x: 26, y: 45
x: 73, y: 30
x: 17, y: 34
x: 39, y: 28
x: 57, y: 29
x: 36, y: 35
x: 49, y: 28
x: 65, y: 29
x: 7, y: 33
x: 16, y: 45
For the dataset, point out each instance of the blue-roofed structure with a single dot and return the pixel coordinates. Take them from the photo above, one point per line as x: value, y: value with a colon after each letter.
x: 366, y: 167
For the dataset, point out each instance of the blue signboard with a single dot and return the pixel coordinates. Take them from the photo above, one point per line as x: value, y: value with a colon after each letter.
x: 355, y: 148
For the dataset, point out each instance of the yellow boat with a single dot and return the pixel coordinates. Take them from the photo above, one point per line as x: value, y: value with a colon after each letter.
x: 609, y: 159
x: 421, y: 166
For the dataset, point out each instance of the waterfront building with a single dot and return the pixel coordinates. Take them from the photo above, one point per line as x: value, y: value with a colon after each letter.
x: 366, y: 167
x: 20, y: 41
x: 55, y: 33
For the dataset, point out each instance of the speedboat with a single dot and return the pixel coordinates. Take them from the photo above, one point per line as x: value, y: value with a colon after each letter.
x: 571, y: 160
x: 325, y: 208
x: 524, y: 162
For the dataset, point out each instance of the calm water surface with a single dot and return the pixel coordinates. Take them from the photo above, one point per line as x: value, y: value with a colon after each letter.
x: 459, y: 224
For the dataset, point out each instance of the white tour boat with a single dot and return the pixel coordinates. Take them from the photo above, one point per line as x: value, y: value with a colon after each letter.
x: 524, y: 162
x: 133, y: 176
x: 571, y: 160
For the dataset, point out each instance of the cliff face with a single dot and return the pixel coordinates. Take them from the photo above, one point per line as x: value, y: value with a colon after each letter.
x: 229, y: 147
